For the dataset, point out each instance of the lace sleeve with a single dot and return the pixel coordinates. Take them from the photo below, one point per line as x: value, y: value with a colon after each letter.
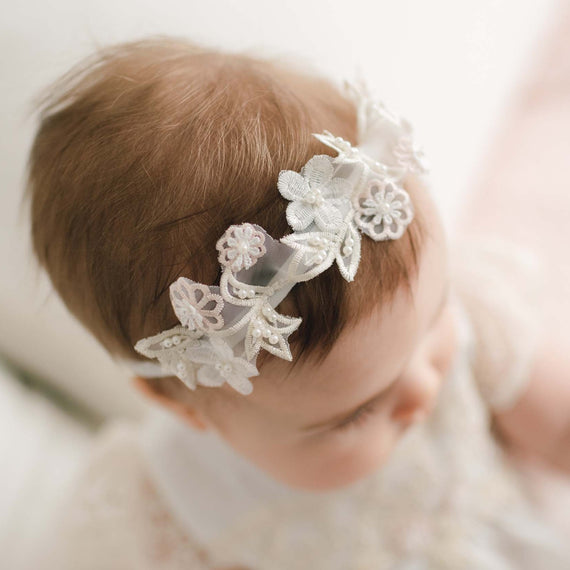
x: 114, y: 519
x: 500, y: 284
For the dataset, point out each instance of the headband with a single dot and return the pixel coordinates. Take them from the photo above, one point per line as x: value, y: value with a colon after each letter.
x: 332, y: 201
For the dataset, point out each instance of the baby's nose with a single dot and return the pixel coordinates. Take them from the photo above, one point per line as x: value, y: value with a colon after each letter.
x: 415, y: 396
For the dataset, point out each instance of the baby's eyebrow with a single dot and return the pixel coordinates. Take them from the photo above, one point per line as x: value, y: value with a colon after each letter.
x: 343, y: 416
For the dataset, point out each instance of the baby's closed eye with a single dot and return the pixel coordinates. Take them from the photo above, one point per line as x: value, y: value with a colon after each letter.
x: 357, y: 418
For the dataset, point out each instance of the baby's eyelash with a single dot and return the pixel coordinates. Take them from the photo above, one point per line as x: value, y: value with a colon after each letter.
x: 358, y: 417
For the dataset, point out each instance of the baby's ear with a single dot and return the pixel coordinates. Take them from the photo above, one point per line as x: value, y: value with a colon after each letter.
x: 188, y: 414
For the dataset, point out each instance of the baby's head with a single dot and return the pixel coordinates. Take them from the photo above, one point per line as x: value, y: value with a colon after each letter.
x: 145, y: 154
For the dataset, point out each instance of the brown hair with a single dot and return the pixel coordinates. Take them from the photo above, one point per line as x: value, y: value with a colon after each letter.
x: 147, y: 151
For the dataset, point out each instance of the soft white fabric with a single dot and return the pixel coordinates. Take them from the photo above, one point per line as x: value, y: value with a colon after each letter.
x: 164, y: 496
x: 41, y: 449
x: 172, y: 451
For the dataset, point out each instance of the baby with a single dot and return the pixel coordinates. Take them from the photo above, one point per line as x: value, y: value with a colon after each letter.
x: 374, y: 442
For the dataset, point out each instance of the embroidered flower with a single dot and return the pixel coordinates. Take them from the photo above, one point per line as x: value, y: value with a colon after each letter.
x: 196, y: 306
x: 383, y: 211
x: 219, y: 365
x: 315, y: 195
x: 240, y: 247
x: 169, y: 348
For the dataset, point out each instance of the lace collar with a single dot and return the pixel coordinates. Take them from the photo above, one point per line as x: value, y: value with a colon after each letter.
x: 205, y: 483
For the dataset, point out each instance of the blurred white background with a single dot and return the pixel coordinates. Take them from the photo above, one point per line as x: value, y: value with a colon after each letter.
x: 449, y: 66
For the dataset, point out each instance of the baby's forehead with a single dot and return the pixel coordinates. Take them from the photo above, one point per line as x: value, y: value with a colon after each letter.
x: 369, y: 351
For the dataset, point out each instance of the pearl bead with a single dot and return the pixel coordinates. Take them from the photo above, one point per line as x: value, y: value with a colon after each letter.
x: 250, y: 293
x: 167, y: 343
x: 347, y: 250
x: 268, y: 313
x: 256, y: 332
x: 176, y: 340
x: 349, y: 241
x: 266, y: 332
x: 242, y: 294
x: 226, y: 368
x: 273, y: 339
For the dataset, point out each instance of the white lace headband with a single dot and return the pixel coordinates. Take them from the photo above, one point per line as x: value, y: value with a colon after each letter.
x: 223, y: 328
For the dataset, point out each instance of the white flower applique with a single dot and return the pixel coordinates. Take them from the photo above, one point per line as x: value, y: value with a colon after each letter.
x: 320, y: 197
x: 169, y: 348
x: 315, y: 194
x: 219, y: 365
x: 196, y: 306
x: 383, y: 210
x: 240, y: 247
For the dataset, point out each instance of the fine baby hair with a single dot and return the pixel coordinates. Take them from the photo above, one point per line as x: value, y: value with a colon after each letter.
x: 147, y: 152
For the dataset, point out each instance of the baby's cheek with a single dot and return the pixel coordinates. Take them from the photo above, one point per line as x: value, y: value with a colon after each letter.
x: 447, y: 342
x: 352, y: 455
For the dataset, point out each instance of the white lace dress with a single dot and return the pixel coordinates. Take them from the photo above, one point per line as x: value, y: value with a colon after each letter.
x: 162, y: 495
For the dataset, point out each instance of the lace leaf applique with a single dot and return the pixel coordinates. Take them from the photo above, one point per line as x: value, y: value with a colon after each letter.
x: 316, y: 250
x: 348, y: 255
x: 269, y: 330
